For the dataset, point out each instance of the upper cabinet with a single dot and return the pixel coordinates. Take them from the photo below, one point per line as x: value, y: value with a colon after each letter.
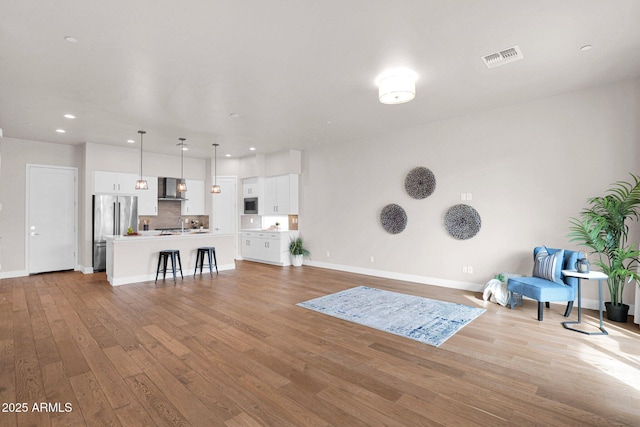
x: 114, y: 183
x: 195, y: 195
x: 281, y: 195
x: 252, y: 187
x: 148, y: 199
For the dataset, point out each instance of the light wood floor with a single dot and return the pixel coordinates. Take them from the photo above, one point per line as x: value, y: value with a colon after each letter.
x: 234, y: 350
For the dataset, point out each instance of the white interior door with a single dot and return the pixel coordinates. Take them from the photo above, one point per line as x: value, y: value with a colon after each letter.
x: 51, y: 218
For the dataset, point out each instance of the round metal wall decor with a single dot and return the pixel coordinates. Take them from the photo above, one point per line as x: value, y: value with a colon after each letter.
x: 420, y: 182
x: 462, y: 222
x: 393, y: 218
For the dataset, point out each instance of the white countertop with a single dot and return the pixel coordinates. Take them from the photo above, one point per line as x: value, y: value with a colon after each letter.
x: 265, y: 230
x: 155, y: 234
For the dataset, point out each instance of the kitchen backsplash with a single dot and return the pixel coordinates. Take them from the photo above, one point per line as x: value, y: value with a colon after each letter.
x: 168, y: 215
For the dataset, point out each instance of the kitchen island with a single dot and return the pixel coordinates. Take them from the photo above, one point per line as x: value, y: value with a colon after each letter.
x: 132, y: 259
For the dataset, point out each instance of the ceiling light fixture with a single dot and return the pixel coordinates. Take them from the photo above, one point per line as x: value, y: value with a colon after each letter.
x: 131, y: 141
x: 60, y: 130
x: 141, y: 184
x: 182, y: 186
x: 397, y: 86
x: 252, y: 148
x: 71, y: 39
x: 215, y: 188
x: 69, y: 116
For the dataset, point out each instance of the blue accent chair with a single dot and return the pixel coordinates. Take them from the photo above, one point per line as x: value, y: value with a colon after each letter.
x: 545, y: 291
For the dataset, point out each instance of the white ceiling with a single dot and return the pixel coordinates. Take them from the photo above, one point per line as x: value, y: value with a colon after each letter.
x: 298, y: 73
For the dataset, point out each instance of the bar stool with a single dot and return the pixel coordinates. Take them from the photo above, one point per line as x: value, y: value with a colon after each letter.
x: 210, y: 251
x: 164, y: 256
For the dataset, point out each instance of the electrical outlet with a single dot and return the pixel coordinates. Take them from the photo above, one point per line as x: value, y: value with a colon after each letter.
x: 470, y: 269
x: 371, y: 258
x: 463, y: 196
x: 464, y: 268
x: 469, y: 196
x: 328, y: 254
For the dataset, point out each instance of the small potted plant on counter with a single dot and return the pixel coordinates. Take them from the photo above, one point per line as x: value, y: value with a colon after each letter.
x: 298, y: 251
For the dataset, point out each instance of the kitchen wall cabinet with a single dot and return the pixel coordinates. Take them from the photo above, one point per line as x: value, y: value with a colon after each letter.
x: 195, y: 195
x: 281, y: 195
x: 267, y: 247
x: 252, y: 187
x: 114, y: 183
x: 148, y: 199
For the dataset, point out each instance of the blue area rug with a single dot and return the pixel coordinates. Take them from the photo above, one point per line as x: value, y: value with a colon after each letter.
x: 428, y: 321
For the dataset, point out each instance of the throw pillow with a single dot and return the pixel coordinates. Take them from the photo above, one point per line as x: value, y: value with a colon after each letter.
x: 549, y: 266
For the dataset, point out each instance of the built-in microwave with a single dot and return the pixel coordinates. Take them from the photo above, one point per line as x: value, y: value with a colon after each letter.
x: 250, y: 205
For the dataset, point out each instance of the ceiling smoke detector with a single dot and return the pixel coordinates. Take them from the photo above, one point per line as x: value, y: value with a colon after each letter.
x: 503, y: 57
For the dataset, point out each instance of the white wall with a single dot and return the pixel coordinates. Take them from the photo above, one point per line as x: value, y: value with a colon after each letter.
x: 16, y: 154
x: 529, y: 167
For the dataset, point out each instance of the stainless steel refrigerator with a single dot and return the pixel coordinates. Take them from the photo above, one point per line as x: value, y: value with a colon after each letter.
x: 112, y: 215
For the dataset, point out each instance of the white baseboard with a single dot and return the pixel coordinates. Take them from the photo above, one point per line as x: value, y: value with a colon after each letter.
x: 12, y: 274
x: 424, y: 280
x: 83, y: 269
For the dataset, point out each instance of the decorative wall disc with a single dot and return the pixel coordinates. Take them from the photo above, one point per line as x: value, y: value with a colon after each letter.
x: 462, y: 222
x: 393, y: 218
x: 420, y: 182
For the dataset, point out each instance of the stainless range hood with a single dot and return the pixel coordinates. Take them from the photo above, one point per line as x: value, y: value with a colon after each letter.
x: 167, y: 189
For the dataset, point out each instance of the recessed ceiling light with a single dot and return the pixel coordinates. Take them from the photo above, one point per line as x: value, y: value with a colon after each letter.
x: 69, y: 116
x: 130, y: 141
x: 234, y: 115
x: 60, y: 130
x: 71, y: 39
x: 252, y: 148
x: 227, y: 155
x: 586, y: 47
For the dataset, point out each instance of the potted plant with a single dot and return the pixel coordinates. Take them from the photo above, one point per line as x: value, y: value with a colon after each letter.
x: 298, y: 251
x: 603, y: 228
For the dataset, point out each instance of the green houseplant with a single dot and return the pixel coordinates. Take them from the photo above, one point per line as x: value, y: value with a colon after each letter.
x: 603, y: 228
x: 298, y: 250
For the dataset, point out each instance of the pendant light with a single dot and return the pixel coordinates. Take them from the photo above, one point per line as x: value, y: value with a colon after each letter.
x: 141, y: 184
x: 215, y: 188
x: 182, y: 186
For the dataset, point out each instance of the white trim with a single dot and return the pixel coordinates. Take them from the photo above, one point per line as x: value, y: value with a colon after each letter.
x: 83, y: 269
x: 446, y: 283
x: 12, y: 274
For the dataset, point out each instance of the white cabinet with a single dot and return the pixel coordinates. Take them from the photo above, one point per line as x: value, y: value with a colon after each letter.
x: 114, y: 183
x: 264, y: 246
x: 148, y: 199
x: 252, y: 187
x: 224, y: 207
x: 281, y: 195
x: 195, y: 195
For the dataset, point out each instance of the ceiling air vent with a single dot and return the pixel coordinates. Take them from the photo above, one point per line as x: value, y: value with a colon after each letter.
x: 503, y: 57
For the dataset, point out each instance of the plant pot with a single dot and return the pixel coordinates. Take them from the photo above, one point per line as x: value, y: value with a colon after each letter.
x: 617, y: 313
x: 296, y: 260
